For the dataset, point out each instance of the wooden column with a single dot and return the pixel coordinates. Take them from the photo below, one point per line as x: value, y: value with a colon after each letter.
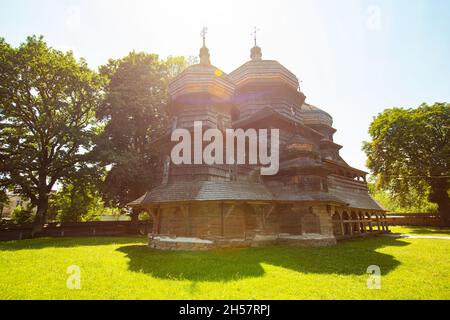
x: 157, y: 220
x: 341, y: 222
x: 363, y: 222
x: 350, y: 223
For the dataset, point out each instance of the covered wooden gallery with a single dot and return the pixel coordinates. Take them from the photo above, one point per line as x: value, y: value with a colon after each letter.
x: 315, y: 199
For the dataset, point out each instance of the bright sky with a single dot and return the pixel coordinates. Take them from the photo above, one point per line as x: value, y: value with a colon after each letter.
x: 354, y: 58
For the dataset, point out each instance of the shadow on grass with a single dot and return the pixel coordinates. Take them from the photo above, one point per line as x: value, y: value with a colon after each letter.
x: 348, y: 258
x: 43, y: 243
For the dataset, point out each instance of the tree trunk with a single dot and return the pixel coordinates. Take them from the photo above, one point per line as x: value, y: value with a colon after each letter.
x: 135, y: 220
x: 439, y: 195
x: 41, y: 213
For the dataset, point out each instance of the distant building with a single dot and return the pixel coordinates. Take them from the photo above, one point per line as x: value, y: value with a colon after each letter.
x: 110, y: 217
x: 14, y: 202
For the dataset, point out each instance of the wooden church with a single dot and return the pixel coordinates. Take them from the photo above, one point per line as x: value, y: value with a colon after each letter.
x: 315, y: 199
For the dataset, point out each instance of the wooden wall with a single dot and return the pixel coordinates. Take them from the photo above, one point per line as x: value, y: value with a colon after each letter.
x: 242, y: 221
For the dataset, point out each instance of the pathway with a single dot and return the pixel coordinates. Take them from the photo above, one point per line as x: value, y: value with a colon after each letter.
x: 408, y: 236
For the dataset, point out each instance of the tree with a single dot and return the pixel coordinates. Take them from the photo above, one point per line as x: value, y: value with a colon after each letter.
x: 76, y: 203
x: 410, y: 154
x: 176, y: 65
x: 22, y: 215
x: 78, y: 198
x: 134, y: 113
x: 416, y: 202
x: 47, y: 119
x: 3, y: 201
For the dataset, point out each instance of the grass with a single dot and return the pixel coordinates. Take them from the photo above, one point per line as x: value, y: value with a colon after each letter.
x: 124, y: 268
x: 421, y: 231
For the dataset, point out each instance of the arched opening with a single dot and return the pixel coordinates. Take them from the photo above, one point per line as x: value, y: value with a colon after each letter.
x: 355, y: 223
x: 347, y: 224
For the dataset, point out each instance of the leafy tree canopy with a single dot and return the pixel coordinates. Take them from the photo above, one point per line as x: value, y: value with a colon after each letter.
x: 416, y: 202
x: 134, y: 114
x: 22, y: 215
x: 78, y: 198
x: 47, y: 118
x: 410, y: 154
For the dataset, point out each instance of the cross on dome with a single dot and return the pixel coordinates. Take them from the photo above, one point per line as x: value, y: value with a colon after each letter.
x: 203, y: 34
x: 204, y: 52
x: 254, y: 34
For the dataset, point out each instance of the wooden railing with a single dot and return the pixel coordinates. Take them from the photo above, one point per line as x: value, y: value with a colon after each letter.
x: 413, y: 219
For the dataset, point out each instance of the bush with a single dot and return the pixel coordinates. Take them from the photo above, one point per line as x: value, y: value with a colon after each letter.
x: 22, y: 215
x: 144, y: 216
x: 417, y: 204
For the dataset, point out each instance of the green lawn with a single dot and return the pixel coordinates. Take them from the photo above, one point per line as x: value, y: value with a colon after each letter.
x: 421, y: 231
x: 124, y: 268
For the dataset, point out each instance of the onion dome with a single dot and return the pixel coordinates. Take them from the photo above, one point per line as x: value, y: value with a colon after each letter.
x: 312, y: 115
x: 202, y: 78
x: 260, y: 71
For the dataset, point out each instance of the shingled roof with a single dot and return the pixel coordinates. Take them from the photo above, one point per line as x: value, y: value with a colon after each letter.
x: 137, y: 202
x: 248, y: 191
x: 313, y: 115
x: 205, y: 191
x: 287, y: 195
x: 357, y: 200
x: 263, y: 70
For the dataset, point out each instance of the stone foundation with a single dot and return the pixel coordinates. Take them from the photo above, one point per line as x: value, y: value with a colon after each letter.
x: 180, y: 244
x: 196, y: 244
